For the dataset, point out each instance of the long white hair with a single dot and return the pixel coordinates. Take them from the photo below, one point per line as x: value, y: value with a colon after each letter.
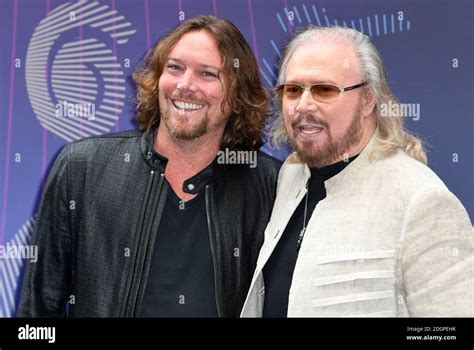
x: 392, y: 135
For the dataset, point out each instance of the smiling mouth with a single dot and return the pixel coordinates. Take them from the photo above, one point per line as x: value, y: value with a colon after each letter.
x: 186, y: 106
x: 309, y: 130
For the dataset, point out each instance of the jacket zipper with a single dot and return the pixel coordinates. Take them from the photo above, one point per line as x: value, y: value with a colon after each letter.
x: 213, y: 251
x: 146, y: 243
x: 137, y: 248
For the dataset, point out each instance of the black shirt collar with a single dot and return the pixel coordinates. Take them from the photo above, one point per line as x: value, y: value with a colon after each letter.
x: 158, y: 162
x: 326, y: 172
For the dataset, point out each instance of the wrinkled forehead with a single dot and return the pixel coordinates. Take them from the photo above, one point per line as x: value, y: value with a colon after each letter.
x: 324, y: 60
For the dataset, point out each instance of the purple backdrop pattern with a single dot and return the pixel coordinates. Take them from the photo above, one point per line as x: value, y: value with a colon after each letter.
x: 84, y: 51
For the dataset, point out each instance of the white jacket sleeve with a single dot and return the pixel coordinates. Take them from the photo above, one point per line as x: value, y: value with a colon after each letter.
x: 437, y: 255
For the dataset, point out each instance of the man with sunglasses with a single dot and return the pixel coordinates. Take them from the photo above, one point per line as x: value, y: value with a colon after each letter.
x: 360, y: 226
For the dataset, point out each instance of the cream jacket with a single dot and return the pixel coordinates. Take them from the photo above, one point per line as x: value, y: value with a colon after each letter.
x: 389, y: 239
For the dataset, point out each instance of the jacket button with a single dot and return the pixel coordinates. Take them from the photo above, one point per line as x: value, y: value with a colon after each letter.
x: 190, y: 187
x: 149, y: 155
x: 156, y: 162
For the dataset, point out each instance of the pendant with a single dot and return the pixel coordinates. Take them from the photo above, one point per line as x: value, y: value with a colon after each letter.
x: 300, y: 238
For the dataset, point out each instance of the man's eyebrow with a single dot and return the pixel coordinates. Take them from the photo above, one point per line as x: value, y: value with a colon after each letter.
x: 208, y: 66
x: 200, y: 64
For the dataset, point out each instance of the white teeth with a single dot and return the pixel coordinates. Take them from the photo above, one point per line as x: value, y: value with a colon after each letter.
x: 186, y: 105
x: 310, y: 132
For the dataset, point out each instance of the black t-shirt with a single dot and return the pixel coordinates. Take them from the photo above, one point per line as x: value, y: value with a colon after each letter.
x: 278, y: 271
x: 181, y: 277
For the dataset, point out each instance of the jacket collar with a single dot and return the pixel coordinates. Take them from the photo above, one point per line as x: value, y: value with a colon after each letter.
x: 337, y: 182
x: 155, y: 160
x: 158, y: 162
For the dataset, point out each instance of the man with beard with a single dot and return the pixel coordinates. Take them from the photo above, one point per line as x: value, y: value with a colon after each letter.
x: 361, y: 226
x: 148, y: 222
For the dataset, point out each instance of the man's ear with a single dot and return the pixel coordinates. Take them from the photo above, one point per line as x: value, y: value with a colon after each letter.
x: 368, y: 102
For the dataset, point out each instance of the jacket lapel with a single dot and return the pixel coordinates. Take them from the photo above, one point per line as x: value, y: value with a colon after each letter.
x: 288, y: 198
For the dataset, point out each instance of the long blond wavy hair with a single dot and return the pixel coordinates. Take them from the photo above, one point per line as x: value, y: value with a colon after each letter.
x: 392, y: 135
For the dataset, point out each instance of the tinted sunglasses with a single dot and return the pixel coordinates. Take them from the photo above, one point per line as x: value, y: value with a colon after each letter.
x: 319, y: 92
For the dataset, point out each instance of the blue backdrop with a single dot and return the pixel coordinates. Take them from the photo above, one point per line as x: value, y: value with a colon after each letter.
x: 55, y: 50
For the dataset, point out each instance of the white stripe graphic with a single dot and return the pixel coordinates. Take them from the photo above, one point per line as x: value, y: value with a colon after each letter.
x: 352, y: 277
x: 377, y: 254
x: 352, y: 298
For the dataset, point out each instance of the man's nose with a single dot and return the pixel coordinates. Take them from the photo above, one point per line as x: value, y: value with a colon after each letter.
x: 306, y: 103
x: 187, y: 82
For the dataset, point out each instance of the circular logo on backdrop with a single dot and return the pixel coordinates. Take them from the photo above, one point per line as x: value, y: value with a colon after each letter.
x: 75, y: 82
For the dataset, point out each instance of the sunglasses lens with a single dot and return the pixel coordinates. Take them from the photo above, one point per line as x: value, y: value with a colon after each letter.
x: 292, y: 91
x: 320, y: 92
x: 324, y: 92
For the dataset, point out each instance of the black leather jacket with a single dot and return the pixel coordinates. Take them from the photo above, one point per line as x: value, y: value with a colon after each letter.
x: 99, y: 216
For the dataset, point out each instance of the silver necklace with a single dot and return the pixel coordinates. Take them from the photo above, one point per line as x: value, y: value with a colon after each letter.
x: 303, y: 230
